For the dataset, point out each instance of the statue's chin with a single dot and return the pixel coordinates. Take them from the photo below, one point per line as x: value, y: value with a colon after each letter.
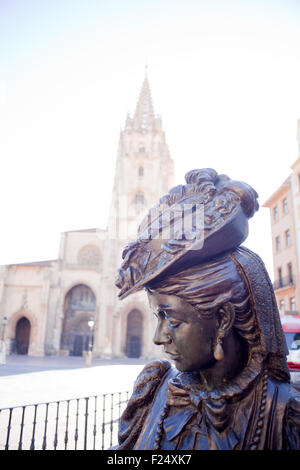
x: 183, y: 367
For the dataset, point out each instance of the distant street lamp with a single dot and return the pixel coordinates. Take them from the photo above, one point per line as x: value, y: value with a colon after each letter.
x: 88, y: 357
x: 91, y: 324
x: 4, y: 323
x: 3, y: 352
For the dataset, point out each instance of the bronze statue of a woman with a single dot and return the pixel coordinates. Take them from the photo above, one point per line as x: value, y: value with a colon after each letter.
x: 217, y: 320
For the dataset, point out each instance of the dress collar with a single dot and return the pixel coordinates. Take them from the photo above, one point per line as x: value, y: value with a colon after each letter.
x: 184, y: 391
x: 187, y: 385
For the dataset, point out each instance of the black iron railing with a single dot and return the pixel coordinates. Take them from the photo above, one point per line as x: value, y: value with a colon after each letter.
x: 89, y: 423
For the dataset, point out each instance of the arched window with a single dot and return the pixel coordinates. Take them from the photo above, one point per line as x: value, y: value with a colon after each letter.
x: 22, y: 336
x: 134, y: 332
x: 293, y: 304
x: 139, y: 199
x: 288, y: 238
x: 139, y: 203
x: 79, y: 314
x: 80, y: 297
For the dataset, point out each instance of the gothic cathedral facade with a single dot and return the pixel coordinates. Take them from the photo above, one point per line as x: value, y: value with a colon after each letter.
x: 69, y: 305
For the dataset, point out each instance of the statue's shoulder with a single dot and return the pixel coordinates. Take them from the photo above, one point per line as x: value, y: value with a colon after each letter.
x: 144, y: 390
x: 146, y: 384
x: 152, y: 373
x: 150, y: 377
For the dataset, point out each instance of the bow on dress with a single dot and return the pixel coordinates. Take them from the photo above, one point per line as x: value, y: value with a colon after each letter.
x: 204, y: 417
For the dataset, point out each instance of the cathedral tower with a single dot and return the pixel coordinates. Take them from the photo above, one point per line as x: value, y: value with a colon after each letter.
x: 144, y: 169
x: 144, y: 173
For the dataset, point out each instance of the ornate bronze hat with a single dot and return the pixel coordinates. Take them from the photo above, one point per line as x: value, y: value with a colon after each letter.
x: 194, y: 222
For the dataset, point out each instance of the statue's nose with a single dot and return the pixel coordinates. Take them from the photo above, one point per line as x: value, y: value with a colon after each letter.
x: 162, y: 334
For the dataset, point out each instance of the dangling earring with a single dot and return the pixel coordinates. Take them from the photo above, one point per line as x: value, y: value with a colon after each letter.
x: 218, y: 351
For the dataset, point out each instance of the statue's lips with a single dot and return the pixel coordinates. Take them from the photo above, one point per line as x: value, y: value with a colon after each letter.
x: 174, y: 356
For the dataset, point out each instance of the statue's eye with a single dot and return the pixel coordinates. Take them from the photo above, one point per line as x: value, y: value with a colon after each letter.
x: 174, y: 323
x: 161, y: 314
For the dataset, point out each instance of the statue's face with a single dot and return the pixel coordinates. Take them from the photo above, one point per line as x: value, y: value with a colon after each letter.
x: 187, y: 339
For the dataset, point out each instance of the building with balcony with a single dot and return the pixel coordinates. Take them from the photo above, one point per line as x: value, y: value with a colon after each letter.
x: 284, y: 205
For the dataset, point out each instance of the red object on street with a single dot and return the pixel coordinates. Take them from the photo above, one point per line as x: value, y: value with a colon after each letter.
x: 294, y: 365
x: 291, y: 327
x: 291, y: 323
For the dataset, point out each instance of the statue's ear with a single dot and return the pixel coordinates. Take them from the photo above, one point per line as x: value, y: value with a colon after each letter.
x: 226, y: 316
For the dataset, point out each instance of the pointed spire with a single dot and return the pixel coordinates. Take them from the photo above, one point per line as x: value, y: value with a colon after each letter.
x: 144, y: 113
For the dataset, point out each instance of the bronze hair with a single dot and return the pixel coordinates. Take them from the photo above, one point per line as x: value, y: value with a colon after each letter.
x: 210, y: 285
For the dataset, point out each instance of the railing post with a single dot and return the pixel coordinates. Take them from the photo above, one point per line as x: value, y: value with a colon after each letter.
x: 8, y: 429
x: 56, y: 428
x: 21, y: 428
x: 111, y: 417
x: 67, y: 424
x: 33, y: 430
x: 76, y: 426
x: 86, y: 422
x: 95, y: 423
x: 103, y: 420
x: 45, y: 429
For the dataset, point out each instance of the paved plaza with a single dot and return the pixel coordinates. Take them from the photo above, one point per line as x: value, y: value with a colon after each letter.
x: 28, y: 380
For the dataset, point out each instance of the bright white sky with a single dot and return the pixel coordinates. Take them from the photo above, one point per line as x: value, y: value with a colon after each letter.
x: 224, y: 75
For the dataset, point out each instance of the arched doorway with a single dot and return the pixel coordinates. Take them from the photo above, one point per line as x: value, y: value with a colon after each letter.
x: 22, y: 336
x: 79, y: 318
x: 134, y: 333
